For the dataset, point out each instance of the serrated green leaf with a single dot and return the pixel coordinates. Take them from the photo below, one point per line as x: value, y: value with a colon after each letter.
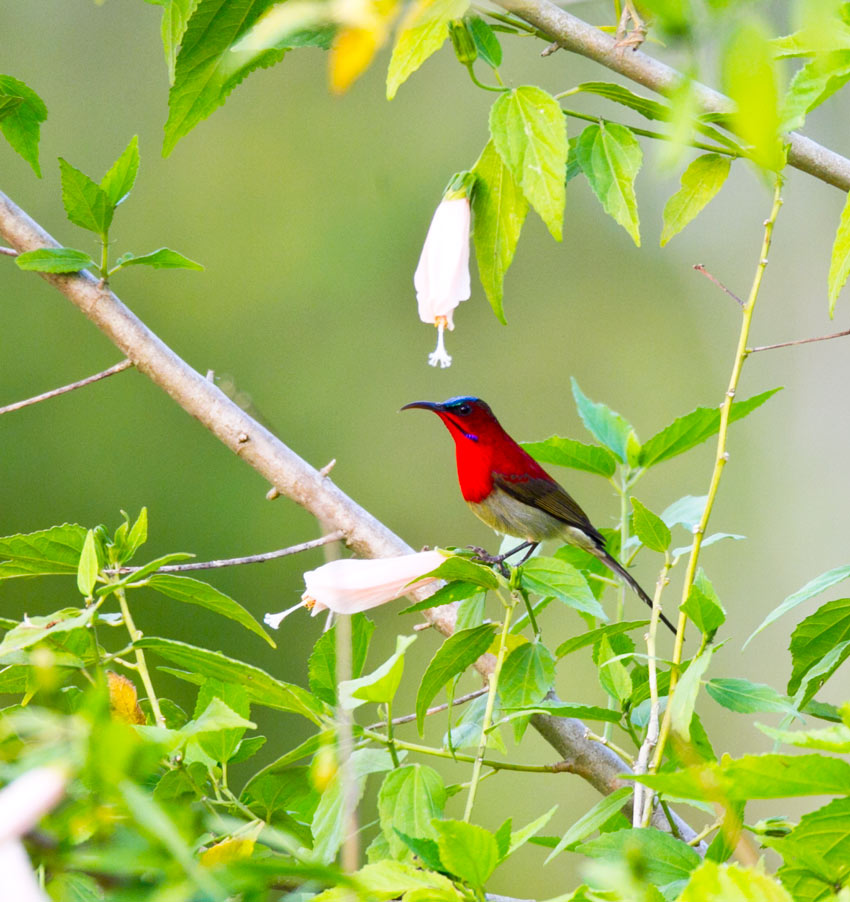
x: 21, y: 124
x: 685, y: 695
x: 409, y: 799
x: 194, y: 591
x: 813, y: 84
x: 835, y: 739
x: 8, y: 104
x: 87, y: 568
x: 551, y: 576
x: 175, y: 17
x: 163, y: 258
x: 748, y: 698
x: 470, y: 612
x: 381, y: 684
x: 54, y: 259
x: 610, y: 156
x: 712, y: 882
x: 86, y: 203
x: 813, y: 587
x: 603, y: 423
x: 527, y: 675
x: 558, y: 708
x: 701, y: 181
x: 839, y: 265
x: 460, y: 651
x: 817, y: 635
x: 221, y: 716
x: 467, y: 850
x: 660, y: 858
x: 451, y: 592
x: 566, y: 452
x: 529, y: 132
x: 119, y: 180
x: 207, y: 68
x: 322, y: 662
x: 48, y: 551
x: 499, y: 209
x: 592, y: 820
x: 703, y: 606
x: 458, y: 568
x: 648, y: 108
x: 263, y: 689
x: 694, y: 428
x: 390, y: 879
x: 486, y: 42
x: 421, y: 33
x: 652, y: 531
x: 574, y: 643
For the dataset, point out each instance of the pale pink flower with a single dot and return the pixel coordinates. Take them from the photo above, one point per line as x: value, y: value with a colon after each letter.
x: 442, y: 276
x: 352, y: 585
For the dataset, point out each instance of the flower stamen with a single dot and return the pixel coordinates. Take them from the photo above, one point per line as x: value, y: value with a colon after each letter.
x: 439, y: 356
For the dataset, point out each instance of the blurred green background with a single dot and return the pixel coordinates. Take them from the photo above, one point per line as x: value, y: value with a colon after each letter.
x: 308, y: 212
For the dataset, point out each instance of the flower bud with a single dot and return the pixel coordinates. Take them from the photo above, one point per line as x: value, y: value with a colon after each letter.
x: 463, y: 42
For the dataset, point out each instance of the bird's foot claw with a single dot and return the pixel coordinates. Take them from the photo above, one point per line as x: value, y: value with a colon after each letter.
x: 494, y: 560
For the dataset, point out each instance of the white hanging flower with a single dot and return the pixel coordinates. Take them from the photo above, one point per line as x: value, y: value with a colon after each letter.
x: 442, y: 276
x: 352, y: 585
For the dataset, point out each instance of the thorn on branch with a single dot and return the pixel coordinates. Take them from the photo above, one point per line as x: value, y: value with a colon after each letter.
x: 272, y: 493
x: 8, y: 251
x: 242, y: 438
x: 699, y: 267
x: 552, y: 48
x: 327, y: 468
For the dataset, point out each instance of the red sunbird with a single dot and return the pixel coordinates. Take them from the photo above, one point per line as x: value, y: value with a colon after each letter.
x: 507, y: 489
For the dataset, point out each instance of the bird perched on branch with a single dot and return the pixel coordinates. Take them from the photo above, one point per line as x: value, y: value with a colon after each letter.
x: 507, y: 489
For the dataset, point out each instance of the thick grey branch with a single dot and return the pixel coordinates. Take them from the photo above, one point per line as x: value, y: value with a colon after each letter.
x: 281, y: 466
x: 576, y: 35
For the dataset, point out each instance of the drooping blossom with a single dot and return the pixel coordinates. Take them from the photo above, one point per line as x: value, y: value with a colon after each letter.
x: 442, y: 276
x: 352, y: 585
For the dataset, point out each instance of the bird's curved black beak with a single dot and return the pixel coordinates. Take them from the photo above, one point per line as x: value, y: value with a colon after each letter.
x: 425, y: 405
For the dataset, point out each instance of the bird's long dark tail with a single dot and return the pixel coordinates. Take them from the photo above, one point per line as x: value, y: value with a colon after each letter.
x: 613, y: 564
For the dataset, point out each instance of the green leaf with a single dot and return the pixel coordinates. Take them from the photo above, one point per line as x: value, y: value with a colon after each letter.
x: 693, y: 429
x: 35, y: 629
x: 392, y: 879
x: 686, y: 511
x: 48, y: 551
x: 86, y: 203
x: 703, y: 606
x: 750, y: 79
x: 22, y: 123
x: 813, y: 587
x: 140, y: 576
x: 558, y: 708
x: 649, y: 109
x: 74, y: 888
x: 565, y: 452
x: 88, y: 568
x: 712, y: 882
x: 715, y: 537
x: 460, y: 651
x: 410, y: 798
x: 163, y: 258
x: 470, y: 612
x: 551, y: 576
x: 610, y: 157
x: 748, y: 698
x: 262, y: 688
x: 529, y: 132
x: 421, y: 33
x: 218, y: 708
x: 489, y: 48
x: 834, y: 739
x: 685, y: 695
x: 592, y: 820
x: 839, y: 265
x: 8, y: 104
x: 499, y: 209
x: 193, y: 591
x: 815, y: 636
x: 463, y: 569
x: 603, y: 423
x: 650, y: 528
x: 175, y: 17
x: 703, y: 178
x: 137, y: 536
x: 322, y: 663
x: 54, y: 259
x: 613, y: 675
x: 451, y: 592
x: 380, y: 685
x: 467, y: 850
x: 207, y: 69
x: 118, y: 182
x: 658, y: 857
x: 527, y: 675
x: 591, y: 637
x: 812, y: 84
x: 520, y: 837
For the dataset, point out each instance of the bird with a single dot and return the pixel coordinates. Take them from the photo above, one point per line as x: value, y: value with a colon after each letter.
x: 506, y: 488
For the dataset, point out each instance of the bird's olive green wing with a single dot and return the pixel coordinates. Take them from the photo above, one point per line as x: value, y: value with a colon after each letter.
x: 550, y: 498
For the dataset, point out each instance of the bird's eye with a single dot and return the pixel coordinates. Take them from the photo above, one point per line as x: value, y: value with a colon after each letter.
x: 464, y: 409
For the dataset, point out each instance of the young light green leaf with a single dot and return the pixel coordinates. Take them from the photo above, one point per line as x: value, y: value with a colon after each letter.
x: 608, y: 654
x: 812, y: 84
x: 411, y: 797
x: 163, y: 258
x: 322, y: 662
x: 567, y: 709
x: 486, y: 42
x: 118, y: 181
x: 8, y: 104
x: 694, y: 428
x: 467, y: 850
x: 574, y: 643
x: 175, y: 17
x: 703, y: 606
x: 685, y: 695
x: 748, y: 698
x: 37, y: 628
x: 138, y: 577
x: 87, y: 569
x: 712, y: 882
x: 421, y: 33
x: 610, y: 157
x: 463, y: 569
x: 527, y: 675
x: 379, y: 686
x: 686, y: 511
x: 658, y: 856
x: 839, y: 266
x: 520, y: 837
x: 529, y: 132
x: 193, y: 591
x: 48, y: 551
x: 499, y: 209
x: 566, y: 452
x: 262, y: 689
x: 453, y: 591
x: 551, y: 576
x: 703, y: 178
x: 715, y: 537
x: 820, y: 672
x: 86, y: 203
x: 592, y: 820
x: 603, y: 423
x: 54, y: 259
x: 817, y: 635
x: 138, y: 534
x: 835, y: 739
x: 813, y: 587
x: 460, y: 651
x: 649, y: 109
x: 652, y: 531
x: 21, y: 123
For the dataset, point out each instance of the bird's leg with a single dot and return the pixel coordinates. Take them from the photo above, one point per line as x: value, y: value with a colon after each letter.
x: 485, y: 558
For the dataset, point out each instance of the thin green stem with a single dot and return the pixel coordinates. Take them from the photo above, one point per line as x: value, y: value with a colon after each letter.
x: 529, y: 611
x: 104, y: 257
x: 141, y: 664
x: 479, y: 84
x: 721, y: 456
x: 488, y: 711
x: 507, y: 20
x: 390, y: 737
